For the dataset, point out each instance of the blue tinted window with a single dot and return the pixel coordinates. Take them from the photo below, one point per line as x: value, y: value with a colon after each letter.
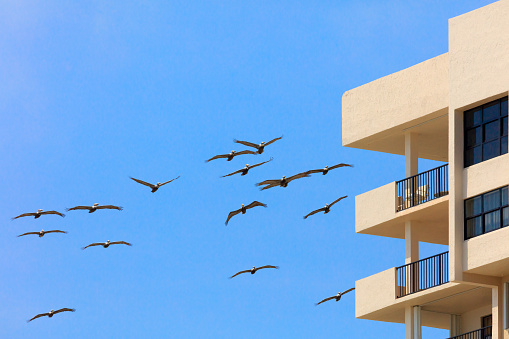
x: 473, y: 206
x: 486, y: 212
x: 473, y: 117
x: 474, y: 137
x: 505, y: 217
x: 503, y: 107
x: 504, y: 126
x: 491, y: 200
x: 492, y: 130
x: 491, y: 111
x: 474, y: 227
x: 503, y: 146
x: 492, y: 221
x: 490, y: 149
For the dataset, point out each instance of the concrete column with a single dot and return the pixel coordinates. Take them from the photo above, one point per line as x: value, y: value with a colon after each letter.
x: 411, y: 243
x: 455, y: 327
x: 411, y: 154
x: 497, y: 312
x: 413, y: 322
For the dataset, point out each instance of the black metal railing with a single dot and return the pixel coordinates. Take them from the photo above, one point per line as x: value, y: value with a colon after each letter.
x: 423, y: 274
x: 423, y: 187
x: 482, y: 333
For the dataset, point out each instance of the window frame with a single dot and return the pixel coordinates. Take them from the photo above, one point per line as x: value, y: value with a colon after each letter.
x: 481, y: 143
x: 483, y: 213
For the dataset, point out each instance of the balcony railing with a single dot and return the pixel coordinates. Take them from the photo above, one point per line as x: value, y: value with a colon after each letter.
x: 423, y: 187
x: 423, y: 274
x: 482, y: 333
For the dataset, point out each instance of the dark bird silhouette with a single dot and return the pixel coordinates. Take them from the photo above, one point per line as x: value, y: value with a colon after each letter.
x: 153, y: 187
x: 247, y: 168
x: 95, y: 207
x: 42, y: 233
x: 254, y: 269
x: 259, y: 147
x: 38, y: 214
x: 107, y: 244
x: 327, y: 169
x: 230, y: 155
x: 280, y: 182
x: 325, y: 209
x: 337, y: 296
x: 52, y: 313
x: 243, y: 209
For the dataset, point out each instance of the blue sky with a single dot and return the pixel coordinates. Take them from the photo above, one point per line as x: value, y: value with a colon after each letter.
x: 94, y: 92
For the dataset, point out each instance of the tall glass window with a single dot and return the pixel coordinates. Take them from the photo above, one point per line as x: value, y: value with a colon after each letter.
x: 486, y: 212
x: 485, y: 130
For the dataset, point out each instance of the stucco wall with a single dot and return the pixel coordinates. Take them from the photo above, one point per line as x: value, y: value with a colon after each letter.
x: 375, y: 292
x: 471, y: 320
x: 375, y: 206
x: 486, y: 176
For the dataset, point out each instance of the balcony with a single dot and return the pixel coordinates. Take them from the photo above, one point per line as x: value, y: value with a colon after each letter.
x: 422, y: 275
x: 422, y: 198
x: 423, y: 187
x: 482, y: 333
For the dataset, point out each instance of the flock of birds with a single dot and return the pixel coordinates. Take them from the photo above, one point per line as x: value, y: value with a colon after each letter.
x: 283, y: 182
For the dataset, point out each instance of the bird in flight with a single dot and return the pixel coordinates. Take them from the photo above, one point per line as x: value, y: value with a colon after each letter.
x: 254, y: 269
x: 325, y: 209
x: 108, y: 243
x: 153, y: 187
x: 230, y: 155
x: 38, y: 214
x: 327, y: 169
x: 280, y: 182
x: 337, y: 296
x: 95, y: 207
x: 243, y: 209
x: 52, y: 313
x: 259, y: 147
x: 41, y: 233
x: 247, y: 168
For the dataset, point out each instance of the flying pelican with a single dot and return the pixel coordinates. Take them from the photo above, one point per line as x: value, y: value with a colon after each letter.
x: 258, y: 147
x: 254, y: 269
x: 52, y: 313
x: 41, y: 233
x: 281, y: 182
x: 38, y: 214
x: 107, y: 244
x: 243, y: 209
x: 230, y: 155
x: 95, y: 207
x: 247, y: 168
x: 325, y: 209
x: 153, y: 187
x: 337, y: 296
x: 327, y: 169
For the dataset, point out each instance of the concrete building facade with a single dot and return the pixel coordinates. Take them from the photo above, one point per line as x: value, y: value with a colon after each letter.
x: 451, y: 108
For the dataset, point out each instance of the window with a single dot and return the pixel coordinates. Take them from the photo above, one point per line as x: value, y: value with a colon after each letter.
x: 486, y: 212
x: 485, y: 130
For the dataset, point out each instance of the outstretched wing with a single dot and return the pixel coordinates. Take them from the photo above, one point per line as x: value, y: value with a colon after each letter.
x: 236, y: 274
x: 340, y: 165
x: 38, y: 316
x: 218, y: 157
x: 64, y: 310
x: 54, y: 212
x: 273, y: 140
x: 109, y: 207
x: 24, y: 215
x: 314, y: 212
x: 326, y: 299
x: 335, y: 201
x: 78, y: 208
x: 267, y: 266
x: 255, y: 203
x: 297, y: 176
x: 231, y: 214
x: 232, y: 173
x: 268, y: 182
x: 269, y: 186
x: 94, y: 244
x: 245, y: 143
x: 55, y: 231
x: 120, y: 243
x: 28, y: 234
x: 348, y: 290
x: 142, y: 182
x: 164, y: 183
x: 243, y: 152
x: 315, y: 171
x: 261, y: 163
